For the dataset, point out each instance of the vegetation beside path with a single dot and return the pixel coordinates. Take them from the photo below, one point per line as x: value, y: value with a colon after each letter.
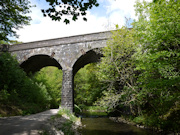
x: 64, y: 123
x: 138, y: 77
x: 141, y: 67
x: 19, y: 93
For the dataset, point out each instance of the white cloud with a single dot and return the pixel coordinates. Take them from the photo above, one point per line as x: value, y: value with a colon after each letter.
x: 42, y: 28
x: 122, y: 9
x: 48, y: 29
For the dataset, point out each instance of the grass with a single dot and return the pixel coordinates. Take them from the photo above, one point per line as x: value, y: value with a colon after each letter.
x: 67, y: 128
x: 70, y: 121
x: 139, y: 120
x: 94, y: 111
x: 68, y: 114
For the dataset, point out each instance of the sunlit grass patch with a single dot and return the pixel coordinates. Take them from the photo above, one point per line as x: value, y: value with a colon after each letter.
x: 63, y: 112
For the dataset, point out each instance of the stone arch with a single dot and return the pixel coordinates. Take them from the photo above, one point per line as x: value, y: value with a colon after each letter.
x: 67, y: 97
x: 90, y: 56
x: 36, y: 62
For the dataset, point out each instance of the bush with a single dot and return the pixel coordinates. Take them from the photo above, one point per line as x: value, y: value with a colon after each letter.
x: 16, y: 88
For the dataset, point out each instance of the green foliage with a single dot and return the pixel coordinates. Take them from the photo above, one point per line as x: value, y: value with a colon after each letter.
x: 139, y: 120
x: 51, y: 77
x: 118, y: 57
x: 95, y: 113
x: 94, y: 108
x: 67, y: 128
x: 74, y: 8
x: 18, y: 90
x: 117, y: 70
x: 13, y: 13
x: 157, y: 58
x: 141, y: 67
x: 68, y: 121
x: 13, y: 16
x: 87, y: 87
x: 11, y: 42
x: 109, y: 100
x: 65, y: 112
x: 89, y: 111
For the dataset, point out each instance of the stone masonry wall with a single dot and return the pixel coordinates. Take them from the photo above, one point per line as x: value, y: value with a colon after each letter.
x: 66, y: 51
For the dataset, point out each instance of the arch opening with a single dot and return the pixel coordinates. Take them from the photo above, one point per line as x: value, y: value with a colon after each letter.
x: 87, y: 87
x: 37, y: 62
x: 91, y: 56
x: 51, y: 78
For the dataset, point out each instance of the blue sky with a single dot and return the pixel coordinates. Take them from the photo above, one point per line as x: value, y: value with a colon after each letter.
x: 102, y: 18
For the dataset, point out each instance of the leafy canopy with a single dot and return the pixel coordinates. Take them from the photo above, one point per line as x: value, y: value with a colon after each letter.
x: 12, y: 17
x: 73, y: 8
x: 116, y: 70
x: 13, y: 13
x: 87, y: 87
x: 17, y: 90
x: 157, y: 59
x: 158, y: 33
x: 51, y: 77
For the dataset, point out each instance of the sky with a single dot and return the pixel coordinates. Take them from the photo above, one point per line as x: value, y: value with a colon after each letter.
x: 102, y: 18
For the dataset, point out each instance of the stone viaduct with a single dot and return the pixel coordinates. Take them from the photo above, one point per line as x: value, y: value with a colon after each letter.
x: 68, y: 53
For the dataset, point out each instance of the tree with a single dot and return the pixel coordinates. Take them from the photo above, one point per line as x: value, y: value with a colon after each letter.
x: 157, y: 57
x: 51, y: 77
x: 117, y: 70
x: 11, y: 42
x: 13, y: 16
x: 87, y: 87
x: 73, y: 8
x: 13, y: 13
x: 18, y: 92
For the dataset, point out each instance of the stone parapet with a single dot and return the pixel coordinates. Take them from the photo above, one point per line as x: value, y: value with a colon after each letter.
x: 68, y: 53
x: 61, y: 41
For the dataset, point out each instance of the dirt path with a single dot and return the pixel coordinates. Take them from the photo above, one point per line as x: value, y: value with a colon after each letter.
x: 25, y: 125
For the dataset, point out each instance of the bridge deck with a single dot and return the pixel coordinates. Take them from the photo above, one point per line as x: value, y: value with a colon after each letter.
x: 62, y: 41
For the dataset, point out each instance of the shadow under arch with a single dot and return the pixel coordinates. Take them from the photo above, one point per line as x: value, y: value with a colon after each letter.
x: 36, y: 62
x: 91, y: 56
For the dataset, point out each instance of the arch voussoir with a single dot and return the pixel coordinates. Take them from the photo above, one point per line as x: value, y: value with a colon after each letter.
x: 68, y: 53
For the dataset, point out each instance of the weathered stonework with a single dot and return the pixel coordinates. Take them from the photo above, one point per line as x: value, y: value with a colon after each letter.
x: 65, y: 55
x: 67, y: 90
x: 69, y: 54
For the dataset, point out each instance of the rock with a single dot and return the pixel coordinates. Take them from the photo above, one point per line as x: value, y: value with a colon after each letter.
x: 54, y: 126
